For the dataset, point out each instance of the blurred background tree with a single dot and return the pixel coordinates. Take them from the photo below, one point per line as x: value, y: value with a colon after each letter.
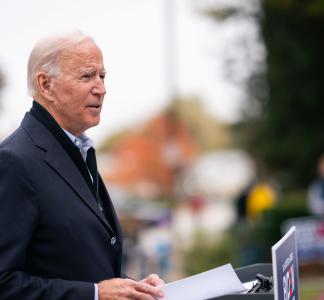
x: 281, y: 127
x: 207, y: 132
x: 164, y: 147
x: 287, y: 134
x: 281, y: 124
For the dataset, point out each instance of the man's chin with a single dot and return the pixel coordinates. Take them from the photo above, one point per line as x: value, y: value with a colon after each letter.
x: 93, y: 123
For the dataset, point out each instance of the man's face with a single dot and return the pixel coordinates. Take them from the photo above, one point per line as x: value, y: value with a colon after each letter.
x: 78, y: 91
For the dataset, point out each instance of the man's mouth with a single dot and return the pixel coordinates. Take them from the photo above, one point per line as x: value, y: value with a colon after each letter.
x: 94, y: 106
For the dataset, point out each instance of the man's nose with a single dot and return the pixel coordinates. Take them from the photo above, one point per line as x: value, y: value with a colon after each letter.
x: 99, y: 87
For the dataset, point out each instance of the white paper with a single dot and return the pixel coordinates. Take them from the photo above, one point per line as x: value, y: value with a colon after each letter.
x: 250, y: 284
x: 213, y: 283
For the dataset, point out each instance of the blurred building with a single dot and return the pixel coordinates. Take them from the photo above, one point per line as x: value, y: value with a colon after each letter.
x: 221, y: 173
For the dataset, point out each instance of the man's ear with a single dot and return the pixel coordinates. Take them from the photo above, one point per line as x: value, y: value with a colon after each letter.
x: 45, y: 85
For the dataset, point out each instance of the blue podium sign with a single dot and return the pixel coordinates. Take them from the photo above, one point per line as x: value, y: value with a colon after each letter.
x: 285, y: 267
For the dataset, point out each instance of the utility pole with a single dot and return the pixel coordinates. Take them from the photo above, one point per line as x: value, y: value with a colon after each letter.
x: 170, y: 41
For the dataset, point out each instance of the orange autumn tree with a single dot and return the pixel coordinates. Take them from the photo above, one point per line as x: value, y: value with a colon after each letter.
x: 152, y: 158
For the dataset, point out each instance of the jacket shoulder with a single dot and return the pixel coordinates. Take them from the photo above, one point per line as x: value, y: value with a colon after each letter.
x: 16, y: 142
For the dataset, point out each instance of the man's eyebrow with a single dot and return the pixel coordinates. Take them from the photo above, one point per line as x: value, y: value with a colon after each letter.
x: 90, y: 69
x: 86, y: 69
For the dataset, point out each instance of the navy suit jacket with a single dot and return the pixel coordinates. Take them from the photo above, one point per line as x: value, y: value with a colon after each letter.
x: 55, y: 243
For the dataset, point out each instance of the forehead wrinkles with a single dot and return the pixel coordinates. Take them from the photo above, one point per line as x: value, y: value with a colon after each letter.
x: 72, y: 61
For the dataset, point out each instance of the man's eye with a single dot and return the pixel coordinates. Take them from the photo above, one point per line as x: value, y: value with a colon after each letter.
x: 102, y: 76
x: 86, y: 76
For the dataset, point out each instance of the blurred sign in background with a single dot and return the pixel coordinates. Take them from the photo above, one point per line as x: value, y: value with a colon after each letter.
x: 310, y: 238
x: 211, y: 137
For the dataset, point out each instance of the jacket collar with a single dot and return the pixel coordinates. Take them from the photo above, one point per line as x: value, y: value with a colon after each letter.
x: 59, y: 159
x: 44, y: 117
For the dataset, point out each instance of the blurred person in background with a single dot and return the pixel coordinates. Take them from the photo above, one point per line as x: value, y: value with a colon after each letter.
x: 60, y: 237
x: 241, y: 202
x: 315, y: 196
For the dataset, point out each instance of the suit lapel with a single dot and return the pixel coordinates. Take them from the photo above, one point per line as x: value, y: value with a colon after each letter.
x: 109, y: 206
x: 68, y: 171
x: 57, y: 158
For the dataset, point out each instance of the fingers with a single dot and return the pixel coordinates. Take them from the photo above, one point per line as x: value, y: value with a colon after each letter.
x: 146, y: 288
x: 153, y: 280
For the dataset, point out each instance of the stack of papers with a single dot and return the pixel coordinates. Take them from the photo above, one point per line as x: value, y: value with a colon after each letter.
x: 213, y: 283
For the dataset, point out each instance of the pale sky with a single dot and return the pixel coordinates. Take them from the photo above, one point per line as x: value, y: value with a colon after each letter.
x: 131, y: 34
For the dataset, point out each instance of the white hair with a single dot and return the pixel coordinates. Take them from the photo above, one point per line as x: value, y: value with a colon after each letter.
x: 46, y: 53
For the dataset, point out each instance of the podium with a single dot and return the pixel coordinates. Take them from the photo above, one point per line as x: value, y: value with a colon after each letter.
x: 246, y: 274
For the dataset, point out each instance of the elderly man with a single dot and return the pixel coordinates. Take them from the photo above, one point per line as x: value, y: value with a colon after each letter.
x: 60, y: 238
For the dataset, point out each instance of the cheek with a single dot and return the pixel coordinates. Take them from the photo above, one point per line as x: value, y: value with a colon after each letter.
x: 63, y: 97
x: 71, y: 101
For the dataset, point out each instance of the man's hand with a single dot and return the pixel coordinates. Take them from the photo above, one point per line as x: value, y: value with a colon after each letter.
x: 128, y: 289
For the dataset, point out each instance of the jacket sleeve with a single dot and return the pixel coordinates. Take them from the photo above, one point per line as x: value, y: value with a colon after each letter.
x: 18, y: 220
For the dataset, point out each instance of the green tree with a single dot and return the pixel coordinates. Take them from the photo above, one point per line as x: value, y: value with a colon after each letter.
x: 288, y: 133
x: 282, y: 125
